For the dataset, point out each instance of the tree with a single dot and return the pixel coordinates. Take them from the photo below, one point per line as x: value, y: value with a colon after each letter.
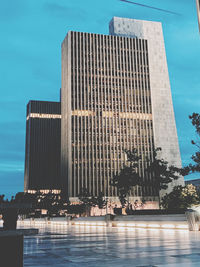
x: 2, y: 199
x: 10, y: 211
x: 25, y: 198
x: 92, y: 201
x: 86, y: 199
x: 127, y: 177
x: 89, y: 200
x: 76, y: 209
x: 162, y: 173
x: 195, y: 167
x: 51, y: 202
x: 100, y: 201
x: 181, y: 197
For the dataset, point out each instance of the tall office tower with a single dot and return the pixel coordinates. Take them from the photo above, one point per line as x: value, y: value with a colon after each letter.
x: 42, y: 156
x: 115, y: 96
x: 164, y: 126
x: 198, y: 12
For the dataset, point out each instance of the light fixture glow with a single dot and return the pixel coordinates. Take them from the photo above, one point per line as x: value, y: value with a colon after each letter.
x: 154, y: 225
x: 182, y: 226
x: 131, y: 224
x: 168, y: 226
x: 121, y: 224
x: 141, y: 225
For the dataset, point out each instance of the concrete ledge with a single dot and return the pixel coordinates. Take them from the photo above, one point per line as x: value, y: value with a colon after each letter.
x: 174, y: 221
x: 92, y: 221
x: 92, y: 218
x: 137, y: 221
x: 25, y: 232
x: 44, y: 221
x: 170, y: 217
x: 152, y: 224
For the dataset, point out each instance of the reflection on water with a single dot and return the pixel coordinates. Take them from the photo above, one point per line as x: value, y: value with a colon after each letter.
x: 100, y: 246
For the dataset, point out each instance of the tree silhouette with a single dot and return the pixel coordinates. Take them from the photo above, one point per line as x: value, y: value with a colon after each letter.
x: 76, y: 209
x: 195, y: 167
x: 100, y: 201
x: 162, y: 173
x: 181, y: 197
x: 92, y: 201
x: 127, y: 177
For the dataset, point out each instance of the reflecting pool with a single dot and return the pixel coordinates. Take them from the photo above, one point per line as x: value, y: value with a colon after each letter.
x: 100, y: 246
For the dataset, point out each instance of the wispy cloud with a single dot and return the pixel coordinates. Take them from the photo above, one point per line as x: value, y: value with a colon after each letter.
x: 64, y: 11
x: 12, y: 10
x: 12, y: 167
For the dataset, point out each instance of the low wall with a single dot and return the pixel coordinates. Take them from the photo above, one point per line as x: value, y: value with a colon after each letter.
x: 168, y: 217
x: 171, y: 221
x: 174, y: 221
x: 178, y: 221
x: 44, y: 221
x: 11, y: 248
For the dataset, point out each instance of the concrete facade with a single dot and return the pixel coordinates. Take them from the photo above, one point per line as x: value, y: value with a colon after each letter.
x: 106, y: 108
x: 164, y: 126
x: 198, y: 12
x: 115, y: 95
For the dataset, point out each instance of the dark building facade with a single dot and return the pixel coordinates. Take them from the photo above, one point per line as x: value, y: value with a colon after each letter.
x: 42, y: 155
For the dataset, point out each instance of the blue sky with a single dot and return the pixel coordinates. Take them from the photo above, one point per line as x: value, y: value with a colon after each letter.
x: 30, y: 63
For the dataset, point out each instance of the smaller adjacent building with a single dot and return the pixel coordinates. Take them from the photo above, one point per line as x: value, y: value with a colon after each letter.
x: 43, y: 143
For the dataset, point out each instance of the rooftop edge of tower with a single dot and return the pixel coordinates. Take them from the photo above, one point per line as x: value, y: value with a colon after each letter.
x: 134, y: 20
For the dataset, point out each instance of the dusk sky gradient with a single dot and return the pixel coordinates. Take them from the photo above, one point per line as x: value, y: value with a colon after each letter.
x: 30, y: 64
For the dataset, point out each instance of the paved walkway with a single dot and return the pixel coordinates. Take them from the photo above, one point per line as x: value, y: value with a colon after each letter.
x: 75, y: 246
